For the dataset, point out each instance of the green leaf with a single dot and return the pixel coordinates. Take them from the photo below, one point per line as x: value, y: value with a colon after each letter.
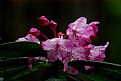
x: 11, y: 67
x: 103, y: 71
x: 11, y: 71
x: 54, y: 79
x: 21, y: 49
x: 62, y: 77
x: 95, y: 63
x: 12, y: 63
x: 29, y: 75
x: 92, y: 76
x: 21, y: 46
x: 69, y: 76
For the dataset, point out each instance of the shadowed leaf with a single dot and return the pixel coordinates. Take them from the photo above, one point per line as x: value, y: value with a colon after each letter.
x: 21, y: 49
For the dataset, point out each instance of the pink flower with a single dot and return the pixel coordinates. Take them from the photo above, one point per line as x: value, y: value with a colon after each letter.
x: 34, y: 32
x: 65, y: 51
x: 79, y: 32
x: 43, y: 21
x: 77, y: 47
x: 56, y: 48
x: 59, y: 48
x: 96, y: 53
x: 76, y: 53
x: 31, y: 37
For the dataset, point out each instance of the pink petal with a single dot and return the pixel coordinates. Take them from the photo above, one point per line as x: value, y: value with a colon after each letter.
x: 65, y: 67
x: 95, y: 28
x: 73, y: 70
x: 97, y: 53
x: 80, y: 53
x: 51, y: 56
x: 49, y: 44
x: 61, y: 35
x: 80, y: 32
x: 53, y: 25
x: 21, y: 39
x: 88, y: 67
x: 43, y: 21
x: 79, y: 23
x: 29, y: 38
x: 32, y: 38
x: 94, y: 23
x: 34, y: 32
x: 30, y: 67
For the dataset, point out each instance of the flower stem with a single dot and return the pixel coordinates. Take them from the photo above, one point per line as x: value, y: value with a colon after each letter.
x: 44, y: 36
x: 55, y: 33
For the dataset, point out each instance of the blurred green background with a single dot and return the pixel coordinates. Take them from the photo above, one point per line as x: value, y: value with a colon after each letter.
x: 18, y: 16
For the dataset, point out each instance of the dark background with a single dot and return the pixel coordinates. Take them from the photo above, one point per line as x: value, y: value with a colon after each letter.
x: 18, y: 16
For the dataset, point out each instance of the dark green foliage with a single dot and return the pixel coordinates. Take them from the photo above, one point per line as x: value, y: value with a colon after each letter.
x: 21, y: 49
x: 102, y: 71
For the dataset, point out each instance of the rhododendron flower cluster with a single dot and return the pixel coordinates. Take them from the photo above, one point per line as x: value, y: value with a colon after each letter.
x: 76, y: 44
